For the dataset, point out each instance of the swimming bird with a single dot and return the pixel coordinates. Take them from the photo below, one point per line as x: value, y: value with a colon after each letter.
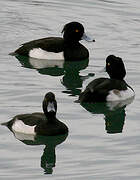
x: 39, y: 123
x: 114, y: 88
x: 67, y: 48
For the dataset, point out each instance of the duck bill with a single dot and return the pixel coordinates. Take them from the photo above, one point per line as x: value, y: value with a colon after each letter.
x: 51, y: 107
x: 87, y: 38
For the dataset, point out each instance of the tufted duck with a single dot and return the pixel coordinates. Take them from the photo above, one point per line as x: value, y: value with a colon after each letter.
x: 67, y: 48
x: 39, y: 123
x: 109, y: 89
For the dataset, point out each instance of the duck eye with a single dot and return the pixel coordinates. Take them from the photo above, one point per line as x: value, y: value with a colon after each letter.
x: 76, y: 30
x: 108, y: 64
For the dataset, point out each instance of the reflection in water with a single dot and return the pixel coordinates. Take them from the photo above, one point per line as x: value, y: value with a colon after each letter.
x: 71, y: 79
x: 114, y: 113
x: 48, y: 158
x: 73, y: 82
x: 70, y: 71
x: 48, y: 67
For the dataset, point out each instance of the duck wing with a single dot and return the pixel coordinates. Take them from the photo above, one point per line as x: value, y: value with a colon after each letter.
x: 31, y: 119
x: 50, y: 44
x: 98, y: 89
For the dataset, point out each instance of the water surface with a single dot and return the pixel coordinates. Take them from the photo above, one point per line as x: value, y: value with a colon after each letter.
x: 91, y: 150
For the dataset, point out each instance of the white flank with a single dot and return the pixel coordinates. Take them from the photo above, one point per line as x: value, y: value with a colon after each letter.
x: 19, y: 126
x: 116, y: 95
x: 23, y: 136
x: 41, y: 54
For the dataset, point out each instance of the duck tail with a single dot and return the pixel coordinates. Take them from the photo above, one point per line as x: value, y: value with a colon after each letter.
x: 4, y: 124
x: 13, y: 53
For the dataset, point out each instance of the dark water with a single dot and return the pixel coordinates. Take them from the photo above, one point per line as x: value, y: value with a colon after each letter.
x: 102, y: 144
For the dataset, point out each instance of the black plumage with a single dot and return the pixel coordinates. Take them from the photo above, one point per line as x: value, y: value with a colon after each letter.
x: 98, y: 89
x: 45, y: 123
x: 69, y: 44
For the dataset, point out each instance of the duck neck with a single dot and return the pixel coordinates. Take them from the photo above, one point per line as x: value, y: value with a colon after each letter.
x: 50, y: 116
x: 50, y: 110
x: 70, y: 42
x: 117, y: 78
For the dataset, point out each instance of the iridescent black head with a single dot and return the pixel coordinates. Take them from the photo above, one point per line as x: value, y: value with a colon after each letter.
x: 49, y: 105
x: 115, y: 67
x: 73, y: 31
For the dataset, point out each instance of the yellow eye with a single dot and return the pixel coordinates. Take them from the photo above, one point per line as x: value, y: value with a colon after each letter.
x: 76, y: 30
x: 108, y: 64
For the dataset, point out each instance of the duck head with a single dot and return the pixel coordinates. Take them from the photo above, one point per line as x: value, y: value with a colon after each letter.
x: 74, y: 31
x: 115, y: 67
x: 49, y: 105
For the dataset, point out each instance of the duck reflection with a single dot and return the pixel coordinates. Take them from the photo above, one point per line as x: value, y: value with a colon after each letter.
x: 47, y: 67
x: 70, y: 71
x: 48, y: 158
x: 72, y: 80
x: 114, y: 114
